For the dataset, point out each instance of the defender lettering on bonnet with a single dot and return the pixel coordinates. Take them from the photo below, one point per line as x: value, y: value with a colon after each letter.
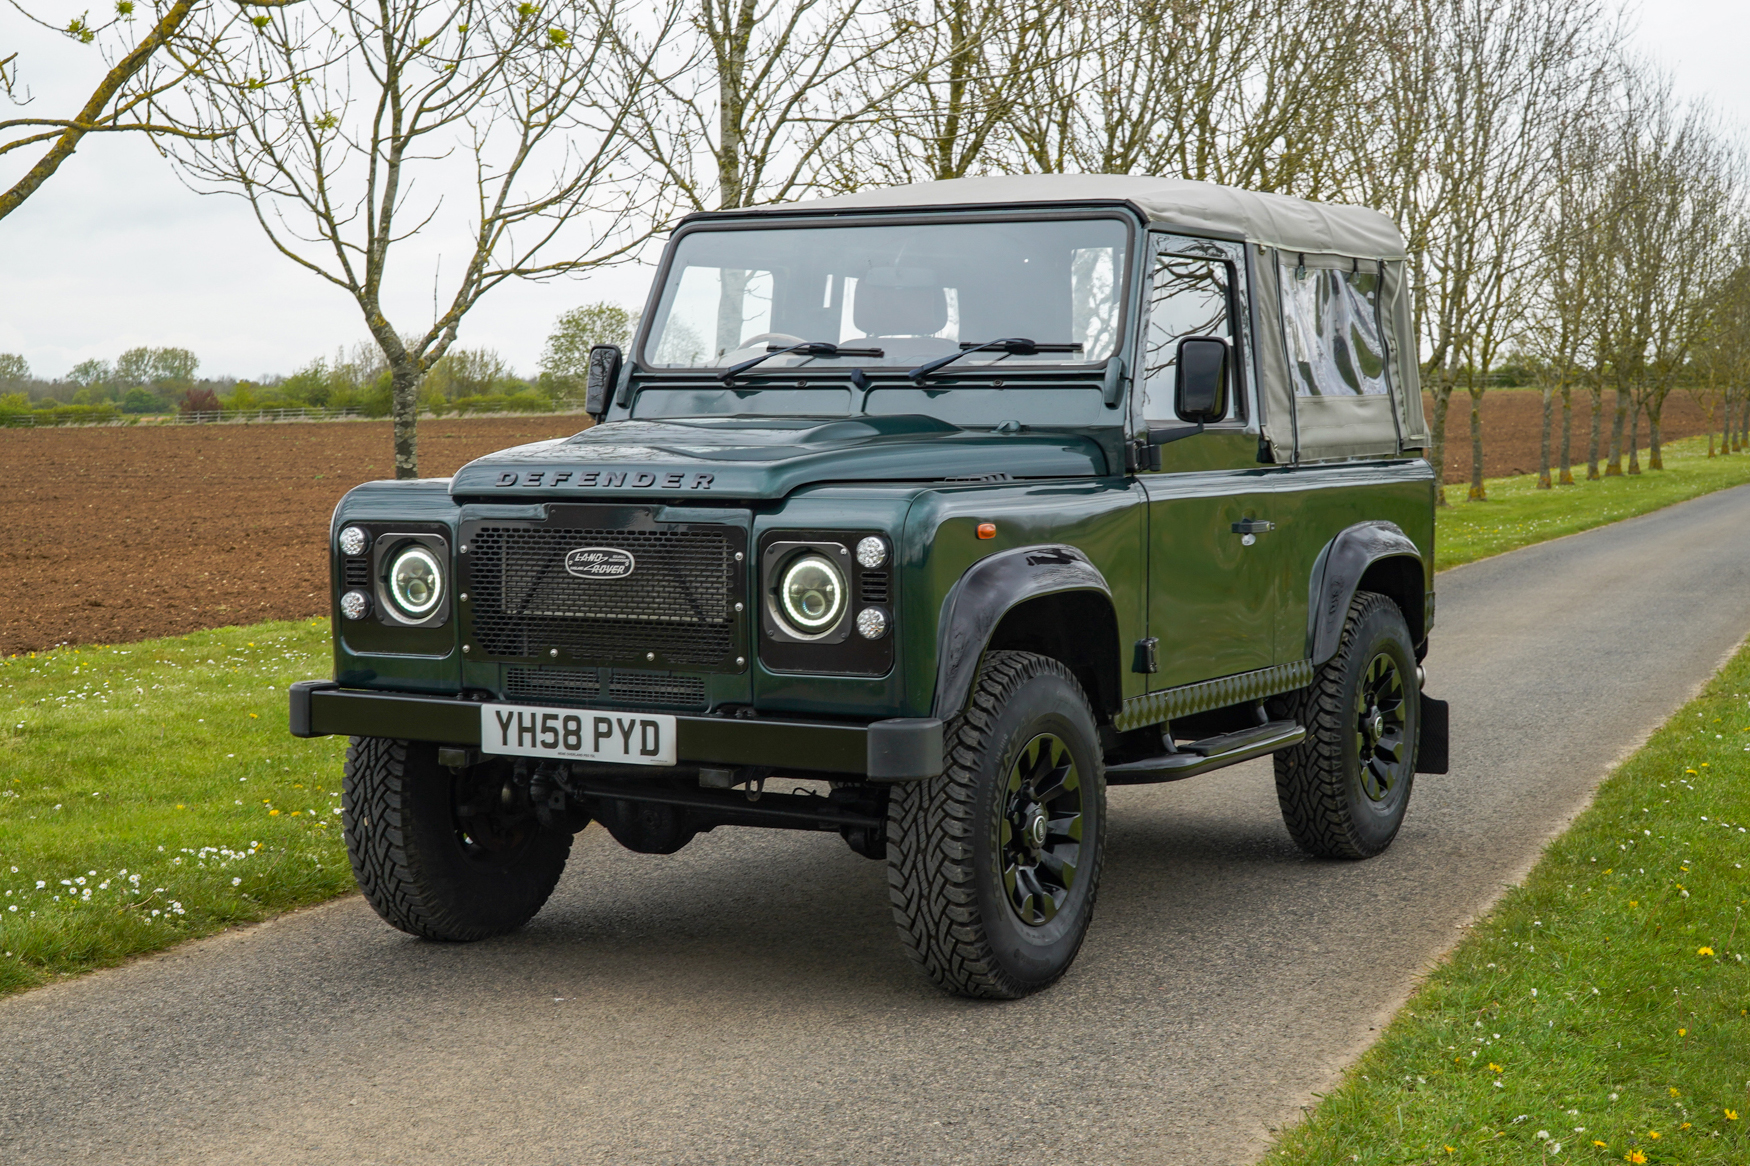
x: 613, y: 480
x: 600, y: 563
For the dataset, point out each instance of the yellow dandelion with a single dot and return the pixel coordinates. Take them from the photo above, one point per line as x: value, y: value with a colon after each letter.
x: 1654, y: 1134
x: 1731, y: 1115
x: 1683, y: 1032
x: 1634, y: 902
x: 1692, y: 771
x: 1596, y: 1142
x: 273, y: 813
x: 255, y: 716
x: 1674, y: 1092
x: 1450, y: 1149
x: 1684, y: 1126
x: 295, y: 813
x: 1635, y: 1156
x: 1494, y: 1068
x: 1704, y: 951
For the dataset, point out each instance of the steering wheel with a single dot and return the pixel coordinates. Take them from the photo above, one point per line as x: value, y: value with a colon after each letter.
x: 781, y: 339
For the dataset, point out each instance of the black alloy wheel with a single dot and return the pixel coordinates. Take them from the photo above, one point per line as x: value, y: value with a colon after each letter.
x: 994, y: 865
x: 1344, y: 790
x: 1381, y: 732
x: 1041, y: 829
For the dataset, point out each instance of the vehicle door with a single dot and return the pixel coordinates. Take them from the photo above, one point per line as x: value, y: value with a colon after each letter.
x: 1211, y: 602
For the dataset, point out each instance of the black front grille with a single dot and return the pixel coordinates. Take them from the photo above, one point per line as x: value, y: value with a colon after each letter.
x: 874, y: 587
x: 570, y: 684
x: 358, y: 572
x: 655, y: 688
x: 675, y: 607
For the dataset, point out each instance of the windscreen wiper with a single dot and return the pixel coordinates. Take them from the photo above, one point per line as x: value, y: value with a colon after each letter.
x: 806, y: 348
x: 1010, y: 346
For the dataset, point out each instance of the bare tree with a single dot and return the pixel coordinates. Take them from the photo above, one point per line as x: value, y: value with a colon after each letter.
x: 742, y: 102
x: 137, y: 73
x: 952, y: 80
x: 339, y: 106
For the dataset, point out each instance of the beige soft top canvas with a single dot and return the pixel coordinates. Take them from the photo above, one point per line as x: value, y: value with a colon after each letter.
x: 1272, y: 220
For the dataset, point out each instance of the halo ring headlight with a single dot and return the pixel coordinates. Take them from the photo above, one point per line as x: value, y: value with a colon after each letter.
x: 812, y: 595
x: 416, y: 582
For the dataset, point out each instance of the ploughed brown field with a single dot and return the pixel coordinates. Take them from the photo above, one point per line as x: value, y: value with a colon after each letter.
x: 1513, y: 424
x: 116, y: 534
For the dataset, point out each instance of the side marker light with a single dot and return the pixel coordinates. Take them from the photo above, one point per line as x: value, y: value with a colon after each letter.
x: 987, y: 530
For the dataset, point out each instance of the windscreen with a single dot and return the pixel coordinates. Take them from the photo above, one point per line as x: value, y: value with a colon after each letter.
x: 895, y: 294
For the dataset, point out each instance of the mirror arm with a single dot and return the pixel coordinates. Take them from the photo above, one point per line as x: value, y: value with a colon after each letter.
x: 1168, y: 435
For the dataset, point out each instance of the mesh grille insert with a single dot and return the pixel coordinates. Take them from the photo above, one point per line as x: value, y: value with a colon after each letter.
x: 655, y: 688
x: 874, y: 586
x: 578, y: 684
x: 677, y: 601
x: 357, y: 572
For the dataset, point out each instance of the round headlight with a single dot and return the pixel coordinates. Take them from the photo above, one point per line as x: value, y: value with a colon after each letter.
x: 871, y: 623
x: 355, y: 605
x: 416, y: 581
x: 812, y: 594
x: 353, y: 541
x: 872, y: 552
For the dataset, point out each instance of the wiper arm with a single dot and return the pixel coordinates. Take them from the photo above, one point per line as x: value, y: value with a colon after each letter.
x: 806, y: 348
x: 1010, y: 346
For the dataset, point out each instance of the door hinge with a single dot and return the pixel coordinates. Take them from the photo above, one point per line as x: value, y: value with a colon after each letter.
x: 1140, y: 456
x: 1144, y: 660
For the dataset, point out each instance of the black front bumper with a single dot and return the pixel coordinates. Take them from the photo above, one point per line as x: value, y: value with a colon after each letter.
x: 904, y: 749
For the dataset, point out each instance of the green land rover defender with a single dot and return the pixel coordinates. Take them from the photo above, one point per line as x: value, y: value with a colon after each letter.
x: 941, y: 508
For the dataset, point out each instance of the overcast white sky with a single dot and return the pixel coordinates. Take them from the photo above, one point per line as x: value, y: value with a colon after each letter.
x: 114, y: 252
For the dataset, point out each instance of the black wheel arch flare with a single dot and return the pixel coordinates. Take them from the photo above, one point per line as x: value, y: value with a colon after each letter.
x: 1049, y: 599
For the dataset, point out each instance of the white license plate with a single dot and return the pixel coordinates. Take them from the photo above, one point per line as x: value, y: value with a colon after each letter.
x: 521, y: 730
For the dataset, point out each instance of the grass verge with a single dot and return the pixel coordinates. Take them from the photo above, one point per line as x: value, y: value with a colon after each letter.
x: 150, y: 793
x: 1518, y: 514
x: 1601, y: 1012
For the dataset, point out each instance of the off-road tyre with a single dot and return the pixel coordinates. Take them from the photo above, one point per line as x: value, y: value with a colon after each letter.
x: 1332, y: 805
x: 948, y: 846
x: 417, y: 867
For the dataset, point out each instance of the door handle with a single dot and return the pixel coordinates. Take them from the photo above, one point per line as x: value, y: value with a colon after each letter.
x: 1253, y: 526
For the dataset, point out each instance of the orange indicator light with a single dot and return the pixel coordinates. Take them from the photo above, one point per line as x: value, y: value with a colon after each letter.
x: 987, y: 530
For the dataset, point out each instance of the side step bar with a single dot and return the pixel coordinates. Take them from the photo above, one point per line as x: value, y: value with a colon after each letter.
x: 1210, y: 753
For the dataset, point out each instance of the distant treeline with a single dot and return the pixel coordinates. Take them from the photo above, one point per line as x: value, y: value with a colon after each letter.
x: 146, y: 381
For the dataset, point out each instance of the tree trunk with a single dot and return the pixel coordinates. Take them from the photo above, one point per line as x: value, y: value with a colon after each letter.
x: 1597, y: 426
x: 1656, y: 460
x: 1613, y: 469
x: 1477, y: 493
x: 404, y: 378
x: 1543, y: 482
x: 1634, y: 440
x: 1437, y: 439
x: 1567, y: 476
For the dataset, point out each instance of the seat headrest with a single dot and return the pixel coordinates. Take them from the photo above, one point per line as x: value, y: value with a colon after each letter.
x: 900, y: 301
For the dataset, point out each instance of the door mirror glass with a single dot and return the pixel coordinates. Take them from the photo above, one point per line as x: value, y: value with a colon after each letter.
x: 1201, y: 392
x: 604, y: 371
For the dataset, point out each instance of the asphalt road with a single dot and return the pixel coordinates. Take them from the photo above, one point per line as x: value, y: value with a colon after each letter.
x: 746, y: 1000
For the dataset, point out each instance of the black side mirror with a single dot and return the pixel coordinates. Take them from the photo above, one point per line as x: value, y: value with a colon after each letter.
x: 604, y: 371
x: 1200, y: 393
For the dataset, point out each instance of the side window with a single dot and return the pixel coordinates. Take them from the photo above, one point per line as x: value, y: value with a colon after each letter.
x: 1330, y: 318
x: 1189, y: 296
